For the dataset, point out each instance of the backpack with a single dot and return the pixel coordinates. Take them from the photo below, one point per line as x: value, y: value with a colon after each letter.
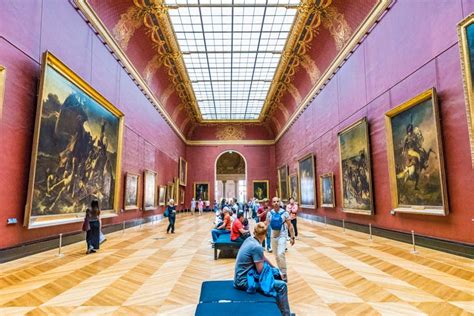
x: 277, y: 221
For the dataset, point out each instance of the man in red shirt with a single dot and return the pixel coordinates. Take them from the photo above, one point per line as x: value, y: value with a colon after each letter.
x: 238, y: 233
x: 262, y: 217
x: 224, y: 228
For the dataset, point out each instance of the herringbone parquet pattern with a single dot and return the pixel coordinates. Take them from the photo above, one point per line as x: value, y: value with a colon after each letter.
x: 144, y: 271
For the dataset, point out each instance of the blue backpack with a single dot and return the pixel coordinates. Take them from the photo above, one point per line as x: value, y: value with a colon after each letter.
x: 277, y: 220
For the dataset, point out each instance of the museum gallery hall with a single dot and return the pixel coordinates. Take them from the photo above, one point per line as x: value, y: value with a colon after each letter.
x: 237, y: 157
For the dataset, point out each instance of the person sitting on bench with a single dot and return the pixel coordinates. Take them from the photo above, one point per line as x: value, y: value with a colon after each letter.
x: 224, y: 228
x: 251, y: 257
x: 238, y: 233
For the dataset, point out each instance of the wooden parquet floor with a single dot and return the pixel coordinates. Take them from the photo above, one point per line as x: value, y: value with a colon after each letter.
x: 145, y: 271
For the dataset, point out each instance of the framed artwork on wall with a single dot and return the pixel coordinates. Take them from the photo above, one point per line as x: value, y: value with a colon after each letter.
x: 283, y: 182
x: 176, y: 190
x: 181, y: 196
x: 149, y: 190
x: 307, y: 181
x: 326, y: 189
x: 162, y: 195
x: 260, y: 189
x: 355, y: 168
x: 183, y: 171
x: 415, y: 152
x: 201, y: 191
x: 293, y: 186
x: 130, y: 201
x: 3, y: 78
x: 169, y: 192
x: 77, y: 149
x: 466, y: 45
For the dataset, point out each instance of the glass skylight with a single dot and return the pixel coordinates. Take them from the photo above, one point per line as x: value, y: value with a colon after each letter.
x: 231, y: 49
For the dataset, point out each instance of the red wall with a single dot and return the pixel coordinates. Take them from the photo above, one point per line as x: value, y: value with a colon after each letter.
x: 26, y: 31
x: 401, y: 58
x: 202, y: 165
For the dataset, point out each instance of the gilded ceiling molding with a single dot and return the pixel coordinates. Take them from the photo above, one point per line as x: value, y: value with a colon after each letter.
x: 311, y: 69
x: 129, y: 22
x: 151, y: 67
x: 166, y: 94
x: 294, y: 92
x: 337, y: 25
x: 176, y: 111
x: 230, y: 132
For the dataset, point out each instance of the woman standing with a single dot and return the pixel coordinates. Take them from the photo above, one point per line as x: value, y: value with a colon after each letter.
x: 171, y: 211
x: 292, y: 208
x: 200, y: 206
x: 93, y: 234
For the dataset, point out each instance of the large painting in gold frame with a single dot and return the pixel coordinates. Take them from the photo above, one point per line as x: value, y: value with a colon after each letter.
x: 162, y: 195
x: 201, y: 191
x: 466, y: 46
x: 355, y: 168
x: 261, y: 189
x: 326, y: 190
x: 149, y: 190
x: 183, y: 171
x: 130, y: 200
x: 77, y: 149
x: 307, y: 181
x: 293, y: 186
x: 283, y: 182
x: 415, y: 153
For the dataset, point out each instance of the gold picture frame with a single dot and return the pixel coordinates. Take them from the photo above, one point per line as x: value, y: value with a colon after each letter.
x: 307, y: 165
x: 169, y: 192
x: 149, y: 190
x: 182, y: 192
x: 354, y: 157
x: 283, y: 186
x: 261, y: 189
x: 466, y: 47
x: 326, y: 190
x: 415, y: 156
x: 293, y: 186
x: 201, y: 191
x: 183, y: 171
x: 3, y: 79
x: 162, y: 195
x: 67, y: 102
x: 131, y: 191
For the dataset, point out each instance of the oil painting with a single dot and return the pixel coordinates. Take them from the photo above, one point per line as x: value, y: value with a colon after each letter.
x: 162, y: 195
x: 169, y: 192
x: 260, y: 189
x: 183, y: 171
x: 283, y: 182
x: 307, y: 181
x: 149, y: 190
x: 131, y: 191
x: 76, y: 149
x: 326, y: 187
x: 201, y: 191
x: 293, y: 186
x: 181, y: 196
x: 416, y: 162
x: 355, y: 168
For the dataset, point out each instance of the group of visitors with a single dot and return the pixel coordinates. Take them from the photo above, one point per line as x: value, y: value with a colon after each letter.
x: 199, y: 204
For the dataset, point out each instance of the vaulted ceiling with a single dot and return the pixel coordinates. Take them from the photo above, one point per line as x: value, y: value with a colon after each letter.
x: 213, y: 62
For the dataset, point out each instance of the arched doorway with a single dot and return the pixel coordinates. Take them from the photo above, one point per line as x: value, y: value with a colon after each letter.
x: 231, y: 176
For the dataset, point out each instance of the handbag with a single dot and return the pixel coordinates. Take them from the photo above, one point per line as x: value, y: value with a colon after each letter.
x: 167, y: 213
x: 86, y: 226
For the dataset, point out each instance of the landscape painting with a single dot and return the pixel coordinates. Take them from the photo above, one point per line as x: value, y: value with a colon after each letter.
x: 416, y: 162
x: 76, y: 149
x: 326, y: 187
x: 307, y: 181
x: 131, y: 191
x: 149, y: 190
x: 283, y: 182
x: 293, y: 182
x: 260, y: 189
x: 355, y: 168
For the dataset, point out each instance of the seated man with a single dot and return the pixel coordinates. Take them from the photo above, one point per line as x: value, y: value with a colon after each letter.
x: 224, y: 228
x: 250, y: 257
x: 238, y: 233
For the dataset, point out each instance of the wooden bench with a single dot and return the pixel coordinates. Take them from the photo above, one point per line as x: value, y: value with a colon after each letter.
x: 223, y: 242
x: 221, y: 298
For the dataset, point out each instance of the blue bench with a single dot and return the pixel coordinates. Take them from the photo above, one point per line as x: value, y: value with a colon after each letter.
x: 223, y: 242
x: 221, y: 298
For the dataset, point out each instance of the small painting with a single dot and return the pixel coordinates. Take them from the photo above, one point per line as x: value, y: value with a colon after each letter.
x: 183, y: 171
x: 169, y: 192
x: 149, y: 190
x: 355, y: 168
x: 283, y: 182
x: 293, y: 182
x: 181, y: 196
x: 201, y: 191
x: 416, y: 162
x: 326, y: 187
x: 307, y: 181
x: 131, y: 191
x: 162, y: 195
x: 260, y: 189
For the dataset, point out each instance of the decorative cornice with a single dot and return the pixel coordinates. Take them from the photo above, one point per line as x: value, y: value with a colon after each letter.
x: 336, y: 24
x: 126, y: 27
x: 230, y: 132
x: 256, y: 142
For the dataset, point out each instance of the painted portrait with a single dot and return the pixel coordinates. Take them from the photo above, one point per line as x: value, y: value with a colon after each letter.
x: 466, y: 46
x: 131, y: 191
x: 355, y: 168
x: 201, y: 191
x: 416, y: 163
x: 293, y: 183
x: 183, y: 171
x: 162, y: 195
x: 76, y: 149
x: 283, y: 182
x: 307, y: 181
x: 260, y: 189
x: 149, y: 190
x: 326, y: 187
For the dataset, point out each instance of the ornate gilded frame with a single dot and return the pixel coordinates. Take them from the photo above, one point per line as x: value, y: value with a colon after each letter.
x: 134, y: 206
x: 313, y: 165
x: 181, y: 195
x: 182, y: 162
x: 289, y: 187
x: 280, y: 194
x: 49, y: 60
x: 169, y: 192
x: 208, y: 189
x: 149, y: 173
x: 329, y: 175
x: 367, y: 144
x: 468, y: 81
x: 417, y: 209
x: 267, y: 183
x: 162, y: 202
x: 3, y: 78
